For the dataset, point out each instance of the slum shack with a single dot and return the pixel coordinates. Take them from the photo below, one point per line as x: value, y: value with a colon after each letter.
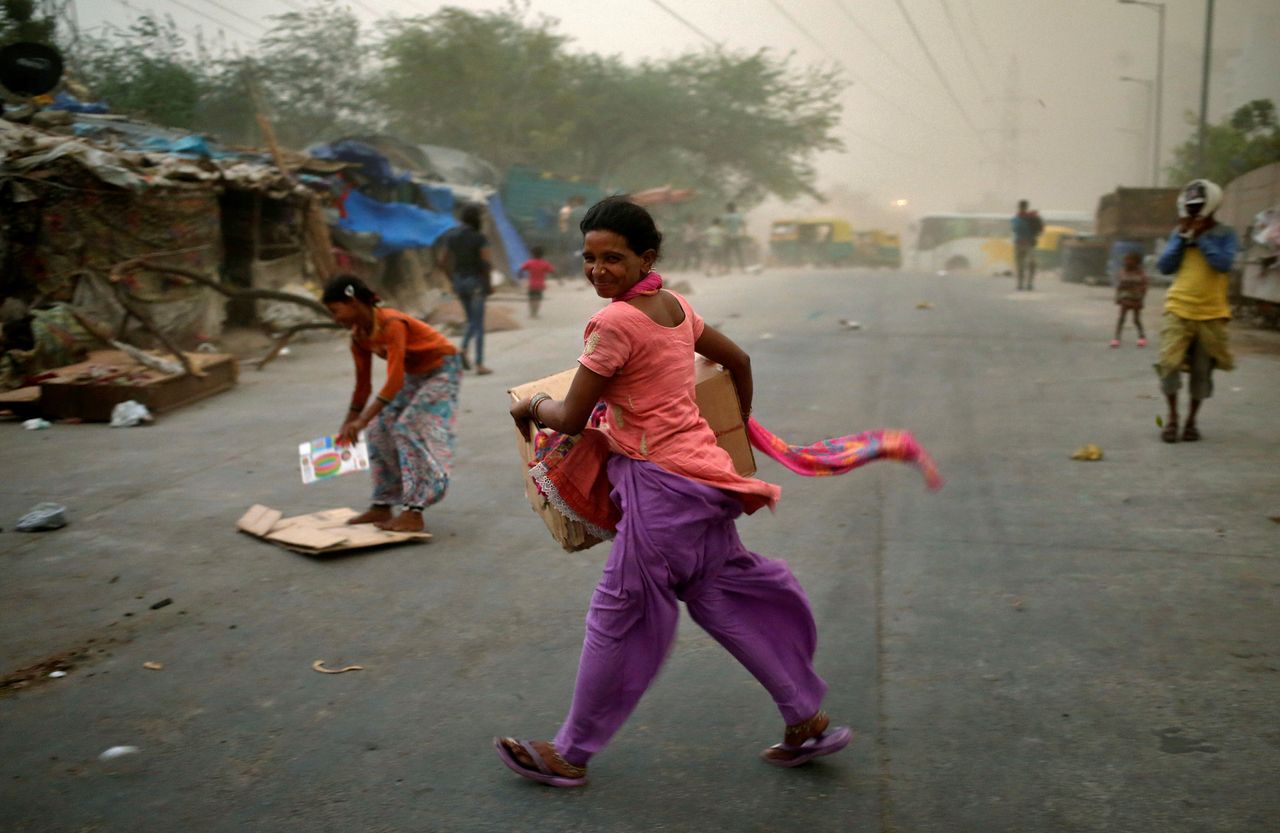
x: 114, y: 235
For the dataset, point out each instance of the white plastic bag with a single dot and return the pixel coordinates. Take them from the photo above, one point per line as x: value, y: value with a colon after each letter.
x: 129, y: 414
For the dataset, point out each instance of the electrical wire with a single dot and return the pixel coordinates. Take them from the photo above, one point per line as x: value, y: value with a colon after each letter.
x: 210, y: 17
x: 977, y: 31
x: 964, y: 49
x: 236, y: 14
x: 876, y: 42
x: 937, y: 70
x: 686, y: 23
x: 859, y: 81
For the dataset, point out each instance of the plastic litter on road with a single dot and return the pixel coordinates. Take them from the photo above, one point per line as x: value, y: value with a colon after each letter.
x: 37, y: 424
x: 43, y: 516
x: 128, y: 414
x: 1088, y: 452
x: 118, y: 752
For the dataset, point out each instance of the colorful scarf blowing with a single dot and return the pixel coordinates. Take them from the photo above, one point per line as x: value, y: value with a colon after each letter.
x: 840, y: 455
x: 572, y: 472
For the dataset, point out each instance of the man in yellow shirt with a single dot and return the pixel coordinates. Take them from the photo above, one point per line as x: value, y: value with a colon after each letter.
x: 1199, y: 254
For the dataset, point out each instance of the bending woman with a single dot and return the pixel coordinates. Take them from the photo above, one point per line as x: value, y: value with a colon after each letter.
x: 679, y: 495
x: 411, y: 420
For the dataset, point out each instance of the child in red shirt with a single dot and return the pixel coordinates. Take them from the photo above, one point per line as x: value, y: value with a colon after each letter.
x: 537, y: 270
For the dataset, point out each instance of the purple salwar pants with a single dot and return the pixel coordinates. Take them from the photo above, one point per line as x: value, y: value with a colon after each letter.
x: 677, y: 540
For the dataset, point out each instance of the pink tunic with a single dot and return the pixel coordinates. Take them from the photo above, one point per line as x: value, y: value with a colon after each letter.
x: 653, y: 414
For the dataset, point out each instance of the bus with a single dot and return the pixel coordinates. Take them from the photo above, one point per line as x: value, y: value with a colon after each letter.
x: 984, y: 242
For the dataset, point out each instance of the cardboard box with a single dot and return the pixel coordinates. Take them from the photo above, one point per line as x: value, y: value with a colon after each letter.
x: 90, y: 389
x: 717, y: 400
x: 319, y: 533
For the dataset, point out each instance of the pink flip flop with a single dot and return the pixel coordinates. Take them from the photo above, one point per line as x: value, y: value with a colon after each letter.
x: 543, y: 774
x: 827, y: 743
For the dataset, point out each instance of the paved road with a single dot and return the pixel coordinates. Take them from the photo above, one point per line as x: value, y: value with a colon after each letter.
x: 1046, y: 645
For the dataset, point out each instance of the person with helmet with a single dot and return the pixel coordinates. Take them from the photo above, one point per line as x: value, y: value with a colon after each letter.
x: 1193, y: 334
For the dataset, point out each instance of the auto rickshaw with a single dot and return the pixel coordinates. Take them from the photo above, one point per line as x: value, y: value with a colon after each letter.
x: 877, y: 248
x: 816, y: 241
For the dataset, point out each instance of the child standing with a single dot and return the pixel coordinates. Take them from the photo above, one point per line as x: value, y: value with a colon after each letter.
x: 537, y: 269
x: 1131, y: 290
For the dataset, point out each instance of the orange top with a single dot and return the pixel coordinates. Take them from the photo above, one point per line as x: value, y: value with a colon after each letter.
x: 653, y: 414
x: 408, y: 345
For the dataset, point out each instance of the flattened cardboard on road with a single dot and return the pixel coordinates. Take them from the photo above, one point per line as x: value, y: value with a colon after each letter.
x: 319, y: 533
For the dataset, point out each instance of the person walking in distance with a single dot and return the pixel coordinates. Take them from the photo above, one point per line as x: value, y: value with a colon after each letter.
x: 1193, y: 333
x: 467, y: 263
x: 733, y: 225
x: 537, y: 270
x: 1027, y: 227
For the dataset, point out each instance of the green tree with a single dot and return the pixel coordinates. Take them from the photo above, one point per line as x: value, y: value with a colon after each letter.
x: 504, y: 85
x: 493, y: 83
x: 311, y: 71
x: 145, y: 71
x: 19, y: 22
x: 1249, y: 138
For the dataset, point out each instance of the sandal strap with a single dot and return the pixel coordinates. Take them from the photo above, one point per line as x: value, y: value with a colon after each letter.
x: 536, y: 758
x: 574, y: 770
x: 570, y: 770
x: 805, y: 727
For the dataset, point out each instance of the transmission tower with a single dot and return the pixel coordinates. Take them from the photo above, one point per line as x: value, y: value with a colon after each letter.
x: 1008, y: 159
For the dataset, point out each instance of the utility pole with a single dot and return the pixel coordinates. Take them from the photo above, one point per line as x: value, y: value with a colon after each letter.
x: 1159, y: 90
x: 1204, y: 88
x: 1146, y: 135
x: 1007, y: 160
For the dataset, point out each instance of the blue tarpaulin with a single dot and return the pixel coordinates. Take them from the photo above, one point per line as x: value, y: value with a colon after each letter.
x: 512, y: 242
x: 438, y: 197
x: 399, y: 225
x: 373, y: 165
x: 192, y: 145
x: 66, y: 101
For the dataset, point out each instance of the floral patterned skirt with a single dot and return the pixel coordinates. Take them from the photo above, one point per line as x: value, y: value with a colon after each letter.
x: 411, y: 442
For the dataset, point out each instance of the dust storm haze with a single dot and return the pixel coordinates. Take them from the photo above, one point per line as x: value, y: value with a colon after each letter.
x: 951, y: 104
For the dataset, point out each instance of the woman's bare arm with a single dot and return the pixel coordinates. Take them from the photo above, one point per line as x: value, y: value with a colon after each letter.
x: 721, y: 349
x: 570, y: 415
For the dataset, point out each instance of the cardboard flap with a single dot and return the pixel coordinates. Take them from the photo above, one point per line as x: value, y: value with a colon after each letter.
x: 307, y: 537
x: 259, y: 520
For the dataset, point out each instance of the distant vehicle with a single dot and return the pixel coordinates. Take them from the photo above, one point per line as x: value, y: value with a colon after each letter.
x: 875, y: 247
x: 830, y: 241
x: 984, y: 242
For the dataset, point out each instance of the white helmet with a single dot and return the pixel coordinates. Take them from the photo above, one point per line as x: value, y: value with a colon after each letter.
x: 1202, y: 192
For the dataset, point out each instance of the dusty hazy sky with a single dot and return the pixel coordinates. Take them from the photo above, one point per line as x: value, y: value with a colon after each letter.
x: 1081, y: 131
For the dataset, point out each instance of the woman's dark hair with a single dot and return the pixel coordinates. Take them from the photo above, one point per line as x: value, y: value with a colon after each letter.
x: 348, y: 288
x: 470, y: 215
x: 623, y: 217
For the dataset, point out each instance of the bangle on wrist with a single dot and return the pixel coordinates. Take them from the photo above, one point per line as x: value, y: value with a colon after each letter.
x: 536, y: 400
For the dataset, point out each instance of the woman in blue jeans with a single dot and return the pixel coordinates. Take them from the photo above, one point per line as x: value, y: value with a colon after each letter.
x: 466, y: 262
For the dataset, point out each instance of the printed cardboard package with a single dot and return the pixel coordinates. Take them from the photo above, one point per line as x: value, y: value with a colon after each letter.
x: 717, y: 400
x: 324, y: 459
